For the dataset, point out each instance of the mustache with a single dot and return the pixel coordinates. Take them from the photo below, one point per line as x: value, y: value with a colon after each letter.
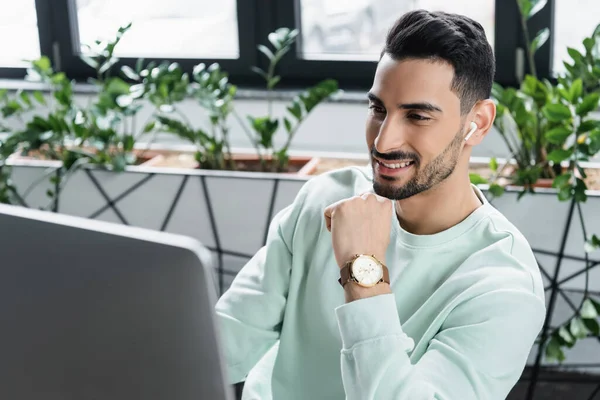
x: 395, y: 155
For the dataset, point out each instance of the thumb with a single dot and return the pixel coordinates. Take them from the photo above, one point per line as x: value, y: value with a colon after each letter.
x: 327, y: 214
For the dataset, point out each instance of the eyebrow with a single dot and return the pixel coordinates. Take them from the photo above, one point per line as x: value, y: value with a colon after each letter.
x: 424, y: 106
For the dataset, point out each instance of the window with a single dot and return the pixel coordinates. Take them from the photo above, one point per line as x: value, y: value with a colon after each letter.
x: 574, y: 20
x: 163, y: 28
x: 19, y: 32
x: 339, y: 39
x: 355, y: 29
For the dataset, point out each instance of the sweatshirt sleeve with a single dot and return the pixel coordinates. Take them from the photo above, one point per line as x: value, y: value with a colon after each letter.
x: 478, y: 354
x: 250, y: 312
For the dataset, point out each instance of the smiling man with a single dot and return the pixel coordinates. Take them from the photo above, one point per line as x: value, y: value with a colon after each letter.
x: 398, y: 281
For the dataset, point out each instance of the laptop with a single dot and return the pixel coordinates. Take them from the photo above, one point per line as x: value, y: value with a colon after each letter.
x: 98, y: 311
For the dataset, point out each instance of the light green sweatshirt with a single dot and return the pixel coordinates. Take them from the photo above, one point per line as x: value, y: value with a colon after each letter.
x: 466, y: 307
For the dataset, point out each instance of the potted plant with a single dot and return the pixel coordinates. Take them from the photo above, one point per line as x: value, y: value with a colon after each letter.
x: 166, y: 86
x: 264, y: 128
x: 81, y: 158
x: 550, y: 132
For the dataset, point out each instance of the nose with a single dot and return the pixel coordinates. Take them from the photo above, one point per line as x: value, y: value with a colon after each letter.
x: 391, y: 136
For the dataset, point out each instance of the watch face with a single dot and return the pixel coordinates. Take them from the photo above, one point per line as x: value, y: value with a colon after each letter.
x: 367, y: 270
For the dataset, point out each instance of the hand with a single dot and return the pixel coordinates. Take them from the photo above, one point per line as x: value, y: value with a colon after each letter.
x: 360, y: 225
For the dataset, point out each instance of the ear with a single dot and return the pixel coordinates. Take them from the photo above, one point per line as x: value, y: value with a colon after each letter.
x: 483, y: 114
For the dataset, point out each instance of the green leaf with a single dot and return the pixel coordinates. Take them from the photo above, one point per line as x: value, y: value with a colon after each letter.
x: 130, y: 73
x: 564, y: 94
x: 592, y: 326
x: 273, y: 82
x: 575, y: 55
x: 497, y: 91
x: 288, y: 125
x: 559, y: 155
x: 594, y: 141
x: 496, y: 190
x: 536, y: 6
x: 570, y: 68
x: 39, y: 96
x: 576, y: 91
x: 266, y: 51
x: 525, y: 7
x: 579, y: 191
x: 577, y: 328
x: 564, y: 334
x: 260, y: 72
x: 25, y: 97
x: 557, y: 112
x: 588, y: 310
x: 540, y: 39
x: 266, y: 128
x: 128, y: 142
x: 562, y: 180
x: 589, y: 44
x: 124, y: 101
x: 589, y: 103
x: 477, y: 179
x: 558, y: 135
x: 553, y: 350
x: 596, y: 304
x: 42, y: 64
x: 587, y: 126
x: 494, y: 164
x: 565, y: 193
x: 296, y: 110
x: 177, y: 127
x: 119, y: 162
x: 591, y: 245
x: 149, y: 126
x: 139, y: 65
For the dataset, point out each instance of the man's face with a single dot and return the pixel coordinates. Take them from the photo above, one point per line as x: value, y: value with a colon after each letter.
x: 414, y: 127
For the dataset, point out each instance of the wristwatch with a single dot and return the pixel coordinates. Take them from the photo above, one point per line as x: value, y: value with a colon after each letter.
x: 365, y: 270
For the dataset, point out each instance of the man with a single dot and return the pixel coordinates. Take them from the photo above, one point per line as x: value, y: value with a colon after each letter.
x: 420, y: 290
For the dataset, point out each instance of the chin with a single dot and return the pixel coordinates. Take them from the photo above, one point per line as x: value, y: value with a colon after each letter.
x: 397, y: 191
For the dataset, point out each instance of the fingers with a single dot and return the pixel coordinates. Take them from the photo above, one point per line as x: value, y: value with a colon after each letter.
x: 328, y: 213
x: 330, y: 210
x: 370, y: 193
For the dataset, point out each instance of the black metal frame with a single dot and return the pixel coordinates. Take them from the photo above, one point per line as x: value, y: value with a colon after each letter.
x: 533, y: 374
x: 57, y: 24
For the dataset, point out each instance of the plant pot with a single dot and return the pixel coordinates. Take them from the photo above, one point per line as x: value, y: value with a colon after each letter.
x: 540, y: 183
x: 298, y: 165
x: 302, y: 166
x: 144, y: 158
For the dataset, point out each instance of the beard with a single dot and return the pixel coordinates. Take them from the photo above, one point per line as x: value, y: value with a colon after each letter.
x: 435, y: 172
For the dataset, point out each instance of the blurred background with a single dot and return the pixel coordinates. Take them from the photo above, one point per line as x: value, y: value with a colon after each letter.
x: 160, y: 113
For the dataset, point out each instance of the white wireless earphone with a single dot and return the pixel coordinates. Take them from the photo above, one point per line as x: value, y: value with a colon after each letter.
x: 473, y: 129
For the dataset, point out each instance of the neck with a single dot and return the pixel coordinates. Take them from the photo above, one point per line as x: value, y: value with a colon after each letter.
x: 441, y: 207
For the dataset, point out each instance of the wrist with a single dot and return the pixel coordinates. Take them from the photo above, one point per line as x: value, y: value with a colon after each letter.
x: 355, y: 292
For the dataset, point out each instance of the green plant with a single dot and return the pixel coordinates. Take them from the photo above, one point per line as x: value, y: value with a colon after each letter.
x: 101, y: 133
x: 104, y: 132
x: 585, y: 66
x: 213, y: 91
x: 264, y: 128
x: 166, y: 85
x: 549, y: 131
x: 107, y: 128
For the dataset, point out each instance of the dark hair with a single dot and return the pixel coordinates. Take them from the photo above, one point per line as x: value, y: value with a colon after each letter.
x: 453, y: 38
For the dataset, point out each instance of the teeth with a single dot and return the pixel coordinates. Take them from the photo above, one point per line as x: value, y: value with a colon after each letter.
x: 398, y: 165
